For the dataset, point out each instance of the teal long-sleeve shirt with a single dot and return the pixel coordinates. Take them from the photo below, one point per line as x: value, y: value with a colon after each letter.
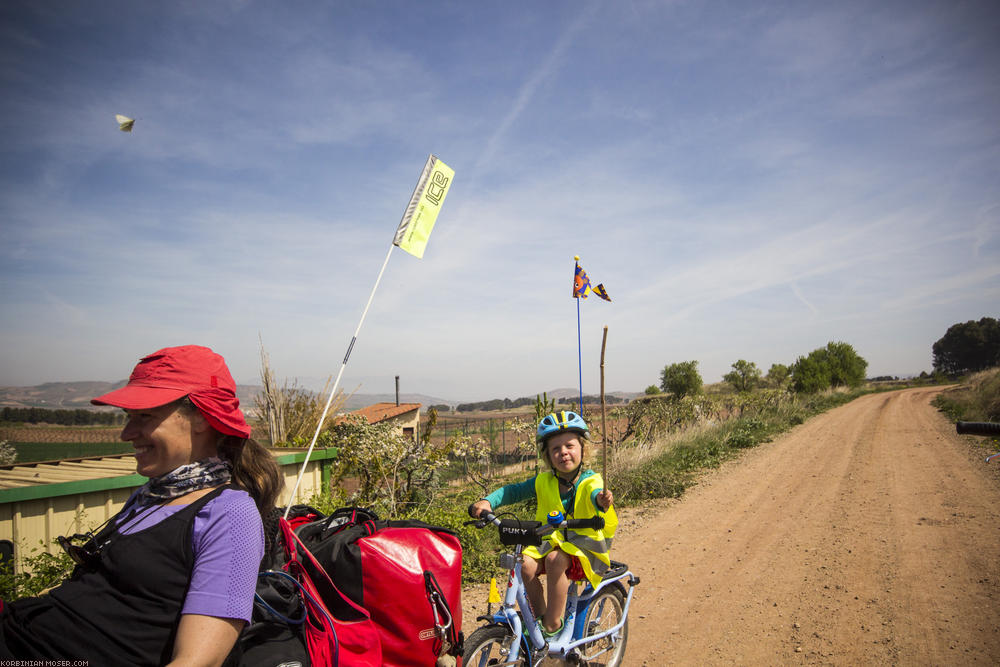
x: 515, y: 493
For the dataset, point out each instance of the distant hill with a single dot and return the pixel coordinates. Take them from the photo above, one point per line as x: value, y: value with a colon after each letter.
x: 72, y: 395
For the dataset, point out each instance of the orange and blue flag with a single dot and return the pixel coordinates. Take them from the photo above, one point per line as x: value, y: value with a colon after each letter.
x: 581, y: 283
x: 582, y: 287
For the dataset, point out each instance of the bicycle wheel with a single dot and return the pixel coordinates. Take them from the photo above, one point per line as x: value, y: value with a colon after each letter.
x: 604, y: 612
x: 489, y: 645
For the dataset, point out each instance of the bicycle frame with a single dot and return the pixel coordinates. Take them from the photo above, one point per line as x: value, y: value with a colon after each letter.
x: 572, y: 635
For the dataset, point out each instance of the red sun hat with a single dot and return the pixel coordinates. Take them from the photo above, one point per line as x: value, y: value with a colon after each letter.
x: 174, y: 372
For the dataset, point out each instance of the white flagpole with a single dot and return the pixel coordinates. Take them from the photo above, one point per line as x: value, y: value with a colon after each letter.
x: 336, y: 383
x: 420, y: 214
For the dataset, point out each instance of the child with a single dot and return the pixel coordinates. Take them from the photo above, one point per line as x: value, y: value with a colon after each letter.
x: 577, y: 493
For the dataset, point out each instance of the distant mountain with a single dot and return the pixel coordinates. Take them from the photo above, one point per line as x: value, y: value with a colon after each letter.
x: 72, y: 395
x: 570, y: 393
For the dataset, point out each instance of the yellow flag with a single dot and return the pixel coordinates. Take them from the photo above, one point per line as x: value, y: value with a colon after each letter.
x: 494, y: 592
x: 425, y: 204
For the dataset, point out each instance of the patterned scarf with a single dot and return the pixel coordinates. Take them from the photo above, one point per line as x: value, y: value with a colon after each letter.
x: 203, y: 474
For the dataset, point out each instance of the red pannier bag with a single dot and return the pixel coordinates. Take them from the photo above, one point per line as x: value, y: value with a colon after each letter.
x: 341, y: 634
x: 406, y: 574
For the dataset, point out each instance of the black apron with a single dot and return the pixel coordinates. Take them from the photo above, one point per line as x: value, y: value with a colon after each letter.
x: 125, y: 611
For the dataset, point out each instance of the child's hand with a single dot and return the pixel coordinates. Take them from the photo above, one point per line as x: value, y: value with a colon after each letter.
x: 478, y: 507
x: 604, y: 500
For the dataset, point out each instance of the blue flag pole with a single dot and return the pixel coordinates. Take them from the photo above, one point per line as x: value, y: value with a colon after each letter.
x: 579, y: 354
x: 579, y: 345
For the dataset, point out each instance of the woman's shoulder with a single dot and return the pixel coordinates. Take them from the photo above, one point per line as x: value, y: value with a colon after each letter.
x: 233, y: 511
x: 233, y: 502
x: 233, y: 497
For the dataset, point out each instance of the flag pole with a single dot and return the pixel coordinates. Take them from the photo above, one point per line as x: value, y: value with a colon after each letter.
x: 411, y: 235
x: 336, y: 383
x: 579, y: 344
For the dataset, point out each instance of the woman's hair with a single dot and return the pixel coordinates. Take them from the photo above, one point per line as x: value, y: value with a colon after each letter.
x: 254, y: 468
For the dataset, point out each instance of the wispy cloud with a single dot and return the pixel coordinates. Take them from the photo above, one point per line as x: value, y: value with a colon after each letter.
x: 724, y: 171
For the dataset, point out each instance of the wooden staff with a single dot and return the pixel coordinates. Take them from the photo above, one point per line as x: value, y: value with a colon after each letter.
x: 604, y: 414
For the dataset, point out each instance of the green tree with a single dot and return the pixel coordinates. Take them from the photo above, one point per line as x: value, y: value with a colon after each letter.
x: 777, y: 375
x: 968, y: 347
x: 744, y: 376
x: 835, y: 365
x: 681, y: 379
x: 847, y: 367
x: 811, y: 373
x: 652, y: 390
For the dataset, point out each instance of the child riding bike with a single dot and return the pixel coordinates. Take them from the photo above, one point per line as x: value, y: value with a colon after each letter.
x: 575, y: 492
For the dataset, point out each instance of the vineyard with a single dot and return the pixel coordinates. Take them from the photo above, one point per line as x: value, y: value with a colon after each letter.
x: 638, y: 422
x: 52, y: 443
x: 51, y: 434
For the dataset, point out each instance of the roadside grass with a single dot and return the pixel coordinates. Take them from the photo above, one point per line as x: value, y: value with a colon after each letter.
x: 665, y: 469
x: 976, y: 399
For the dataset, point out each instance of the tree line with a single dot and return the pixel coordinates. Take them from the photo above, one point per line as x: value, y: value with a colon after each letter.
x: 966, y: 347
x: 62, y: 417
x: 508, y: 404
x: 836, y: 365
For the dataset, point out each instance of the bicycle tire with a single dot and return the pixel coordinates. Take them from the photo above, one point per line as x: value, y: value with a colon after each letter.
x: 489, y: 645
x: 605, y: 611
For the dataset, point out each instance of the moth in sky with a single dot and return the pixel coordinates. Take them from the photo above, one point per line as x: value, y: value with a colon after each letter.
x: 124, y: 122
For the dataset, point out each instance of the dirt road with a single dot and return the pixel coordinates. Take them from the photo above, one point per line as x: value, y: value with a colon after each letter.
x: 868, y: 536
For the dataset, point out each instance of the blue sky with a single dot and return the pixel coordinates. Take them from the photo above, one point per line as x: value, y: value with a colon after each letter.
x: 749, y: 181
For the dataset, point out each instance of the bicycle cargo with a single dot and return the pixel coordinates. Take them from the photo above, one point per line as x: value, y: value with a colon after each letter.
x: 406, y: 574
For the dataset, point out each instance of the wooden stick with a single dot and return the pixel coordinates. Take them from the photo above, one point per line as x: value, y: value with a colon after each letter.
x: 604, y: 414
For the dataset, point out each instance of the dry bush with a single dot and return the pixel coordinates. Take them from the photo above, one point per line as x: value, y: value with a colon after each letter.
x: 290, y: 412
x: 624, y: 459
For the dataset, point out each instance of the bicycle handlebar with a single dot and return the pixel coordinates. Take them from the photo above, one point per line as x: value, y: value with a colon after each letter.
x: 978, y: 428
x: 534, y: 527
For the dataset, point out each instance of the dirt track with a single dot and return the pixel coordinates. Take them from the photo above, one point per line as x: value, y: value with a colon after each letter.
x: 869, y: 535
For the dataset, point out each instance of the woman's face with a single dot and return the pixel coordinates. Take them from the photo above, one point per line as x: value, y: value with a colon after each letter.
x: 564, y: 451
x: 166, y: 437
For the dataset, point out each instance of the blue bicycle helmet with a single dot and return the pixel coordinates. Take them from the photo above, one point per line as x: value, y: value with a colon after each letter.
x: 560, y: 421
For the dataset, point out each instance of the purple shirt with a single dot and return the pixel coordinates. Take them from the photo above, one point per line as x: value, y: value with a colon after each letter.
x: 228, y: 544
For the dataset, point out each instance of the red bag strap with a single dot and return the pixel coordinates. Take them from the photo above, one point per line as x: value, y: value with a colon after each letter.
x: 328, y: 638
x: 292, y: 540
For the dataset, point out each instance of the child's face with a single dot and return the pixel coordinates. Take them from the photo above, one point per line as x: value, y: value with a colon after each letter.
x: 565, y: 451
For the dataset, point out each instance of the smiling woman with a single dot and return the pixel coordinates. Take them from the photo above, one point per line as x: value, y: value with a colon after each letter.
x: 170, y: 579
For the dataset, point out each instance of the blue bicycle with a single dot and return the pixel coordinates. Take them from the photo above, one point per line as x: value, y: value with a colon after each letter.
x: 595, y: 630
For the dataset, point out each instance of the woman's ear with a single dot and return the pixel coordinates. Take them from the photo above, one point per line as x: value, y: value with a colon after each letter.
x: 198, y: 422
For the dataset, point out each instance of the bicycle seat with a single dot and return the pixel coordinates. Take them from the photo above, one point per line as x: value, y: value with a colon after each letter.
x: 616, y: 569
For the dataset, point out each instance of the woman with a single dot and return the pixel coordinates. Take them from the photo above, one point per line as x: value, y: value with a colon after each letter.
x: 169, y: 579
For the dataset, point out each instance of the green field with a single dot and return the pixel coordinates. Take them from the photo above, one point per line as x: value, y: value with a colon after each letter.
x: 30, y: 452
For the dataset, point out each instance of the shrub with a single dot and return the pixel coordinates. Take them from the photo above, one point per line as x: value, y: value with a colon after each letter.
x: 744, y: 376
x: 681, y: 379
x: 40, y: 572
x: 978, y: 399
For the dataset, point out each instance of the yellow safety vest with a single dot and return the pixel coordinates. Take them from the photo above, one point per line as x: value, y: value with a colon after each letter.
x: 589, y: 546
